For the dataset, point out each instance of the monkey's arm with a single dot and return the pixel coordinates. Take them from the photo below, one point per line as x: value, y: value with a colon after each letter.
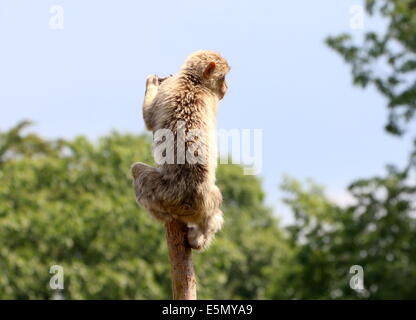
x: 152, y: 86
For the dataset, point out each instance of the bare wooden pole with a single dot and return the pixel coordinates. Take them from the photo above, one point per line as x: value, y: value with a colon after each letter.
x: 180, y: 256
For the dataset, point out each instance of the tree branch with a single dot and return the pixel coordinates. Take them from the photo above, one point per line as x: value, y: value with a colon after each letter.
x: 180, y: 255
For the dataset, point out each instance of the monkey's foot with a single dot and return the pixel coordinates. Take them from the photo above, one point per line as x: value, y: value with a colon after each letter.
x: 196, y: 239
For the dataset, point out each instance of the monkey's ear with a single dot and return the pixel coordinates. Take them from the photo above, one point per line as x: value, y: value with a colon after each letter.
x: 209, y: 70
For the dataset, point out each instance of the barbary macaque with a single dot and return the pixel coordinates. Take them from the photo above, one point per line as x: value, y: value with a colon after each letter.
x: 184, y: 188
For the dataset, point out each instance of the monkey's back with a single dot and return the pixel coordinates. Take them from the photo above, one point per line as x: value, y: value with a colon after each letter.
x: 180, y: 105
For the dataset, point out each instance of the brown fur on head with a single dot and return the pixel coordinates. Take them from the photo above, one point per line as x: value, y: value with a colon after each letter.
x: 210, y: 68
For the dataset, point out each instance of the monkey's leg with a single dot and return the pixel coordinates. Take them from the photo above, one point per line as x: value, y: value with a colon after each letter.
x: 152, y: 87
x: 146, y: 182
x: 201, y: 235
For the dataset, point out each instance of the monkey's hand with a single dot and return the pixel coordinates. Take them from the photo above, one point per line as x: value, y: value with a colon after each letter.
x: 152, y: 87
x: 163, y: 79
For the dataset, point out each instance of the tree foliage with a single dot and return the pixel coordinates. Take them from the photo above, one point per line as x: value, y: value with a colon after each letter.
x: 377, y: 231
x: 71, y: 203
x: 387, y: 60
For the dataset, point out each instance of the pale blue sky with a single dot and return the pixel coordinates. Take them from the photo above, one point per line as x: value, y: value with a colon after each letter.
x: 89, y: 77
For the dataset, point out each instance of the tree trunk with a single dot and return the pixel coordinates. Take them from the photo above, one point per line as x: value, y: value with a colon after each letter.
x: 180, y: 255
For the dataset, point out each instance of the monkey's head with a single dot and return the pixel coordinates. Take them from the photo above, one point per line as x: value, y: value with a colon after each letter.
x: 210, y: 69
